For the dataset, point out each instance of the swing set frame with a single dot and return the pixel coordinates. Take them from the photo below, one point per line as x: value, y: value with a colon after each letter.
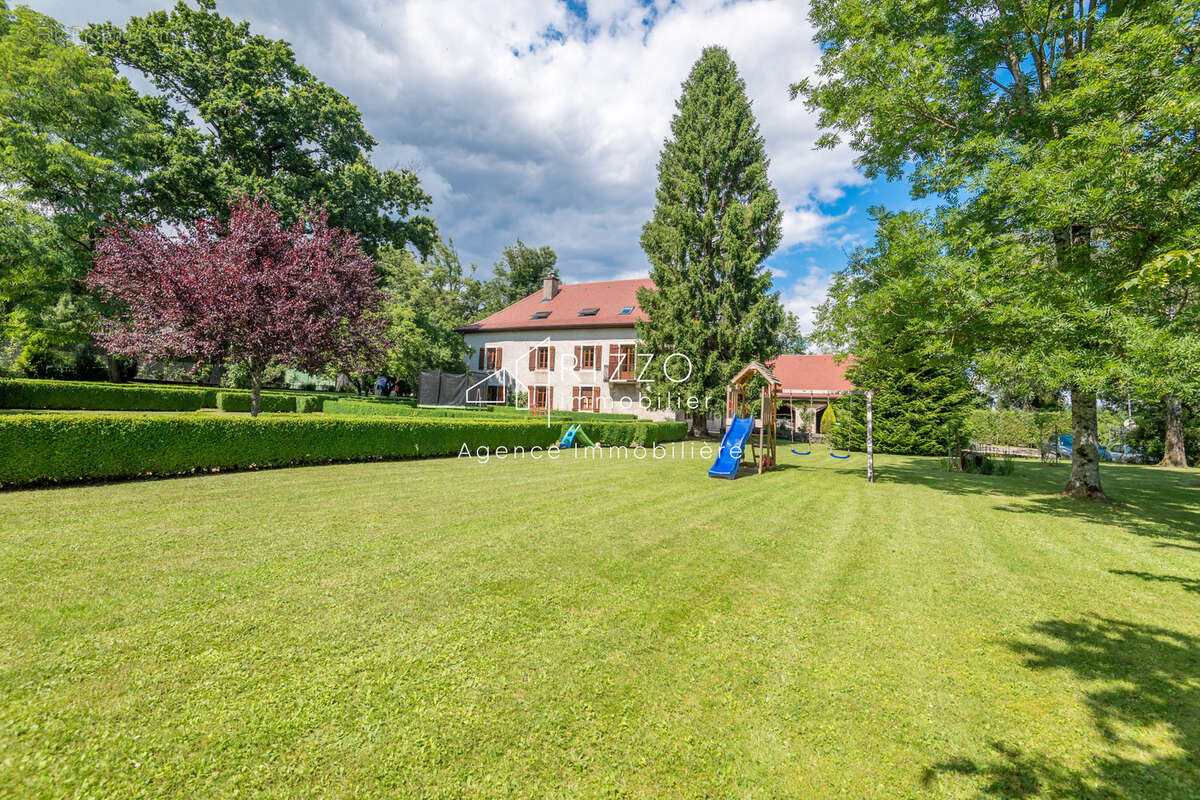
x: 829, y: 394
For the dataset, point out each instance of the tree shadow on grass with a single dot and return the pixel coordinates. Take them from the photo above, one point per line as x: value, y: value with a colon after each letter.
x: 1187, y: 584
x: 1145, y: 501
x: 1144, y: 701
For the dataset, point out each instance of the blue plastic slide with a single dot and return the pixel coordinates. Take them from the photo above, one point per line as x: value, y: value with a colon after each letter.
x: 569, y: 437
x: 733, y: 447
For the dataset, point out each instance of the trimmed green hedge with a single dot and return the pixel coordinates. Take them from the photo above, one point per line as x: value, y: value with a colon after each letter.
x: 57, y: 448
x: 363, y: 407
x: 41, y: 394
x: 269, y: 403
x: 574, y: 416
x: 99, y: 396
x: 651, y: 433
x: 309, y: 404
x: 623, y: 434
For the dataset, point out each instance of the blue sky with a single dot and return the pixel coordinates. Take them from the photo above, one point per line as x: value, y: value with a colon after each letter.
x: 543, y: 119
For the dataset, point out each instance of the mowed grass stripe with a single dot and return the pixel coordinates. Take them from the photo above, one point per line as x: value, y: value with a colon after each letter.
x: 595, y: 628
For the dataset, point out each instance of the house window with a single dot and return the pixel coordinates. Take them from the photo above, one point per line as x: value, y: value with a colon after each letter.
x: 539, y: 397
x: 627, y: 310
x: 540, y: 315
x: 495, y: 394
x: 588, y: 397
x: 490, y: 358
x: 587, y: 358
x: 543, y: 358
x: 622, y: 362
x: 588, y: 312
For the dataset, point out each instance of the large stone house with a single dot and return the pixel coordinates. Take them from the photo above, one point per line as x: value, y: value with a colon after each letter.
x: 569, y: 347
x: 574, y: 347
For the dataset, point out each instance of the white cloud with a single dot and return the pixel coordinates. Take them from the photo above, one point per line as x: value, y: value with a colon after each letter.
x: 803, y: 296
x: 558, y: 145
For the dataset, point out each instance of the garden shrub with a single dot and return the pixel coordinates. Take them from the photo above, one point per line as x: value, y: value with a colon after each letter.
x: 982, y: 464
x: 623, y: 434
x: 72, y: 447
x: 47, y: 394
x: 240, y: 401
x: 651, y: 433
x: 309, y: 404
x: 102, y: 396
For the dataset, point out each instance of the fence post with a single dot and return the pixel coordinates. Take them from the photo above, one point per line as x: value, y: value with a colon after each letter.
x: 870, y: 438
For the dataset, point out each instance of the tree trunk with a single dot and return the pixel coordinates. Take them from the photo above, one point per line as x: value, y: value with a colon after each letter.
x: 255, y: 390
x: 342, y: 383
x: 113, y: 367
x: 1084, y: 482
x: 214, y: 374
x: 699, y: 423
x: 1174, y: 455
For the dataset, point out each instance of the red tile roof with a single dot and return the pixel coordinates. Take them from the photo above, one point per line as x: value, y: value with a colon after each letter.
x: 608, y: 296
x: 815, y: 373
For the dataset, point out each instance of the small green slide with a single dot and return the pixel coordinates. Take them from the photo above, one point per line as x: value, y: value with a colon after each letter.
x: 574, y: 436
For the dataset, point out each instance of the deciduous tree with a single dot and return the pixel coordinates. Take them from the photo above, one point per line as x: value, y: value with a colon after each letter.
x: 248, y: 119
x: 427, y: 298
x: 77, y: 142
x: 518, y: 274
x: 1062, y: 145
x: 247, y: 291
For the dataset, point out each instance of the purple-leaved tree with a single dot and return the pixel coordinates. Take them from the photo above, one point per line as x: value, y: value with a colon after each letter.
x: 249, y: 291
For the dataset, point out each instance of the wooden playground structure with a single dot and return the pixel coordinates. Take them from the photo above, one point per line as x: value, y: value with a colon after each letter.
x: 762, y: 452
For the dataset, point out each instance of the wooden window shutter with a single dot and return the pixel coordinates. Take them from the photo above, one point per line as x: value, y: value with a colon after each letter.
x: 599, y: 363
x: 575, y: 396
x: 549, y: 395
x: 578, y: 358
x: 499, y: 358
x: 595, y: 398
x: 550, y: 358
x: 482, y: 350
x: 533, y: 358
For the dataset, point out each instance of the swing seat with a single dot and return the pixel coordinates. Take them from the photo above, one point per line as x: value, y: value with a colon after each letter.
x: 835, y: 455
x: 805, y: 453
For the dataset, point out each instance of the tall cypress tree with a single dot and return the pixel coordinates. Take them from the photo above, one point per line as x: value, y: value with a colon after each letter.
x: 716, y: 220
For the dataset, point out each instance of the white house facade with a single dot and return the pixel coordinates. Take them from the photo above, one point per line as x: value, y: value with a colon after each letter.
x: 569, y: 347
x: 574, y: 347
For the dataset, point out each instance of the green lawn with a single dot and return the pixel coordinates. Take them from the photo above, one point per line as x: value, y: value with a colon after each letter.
x: 618, y: 628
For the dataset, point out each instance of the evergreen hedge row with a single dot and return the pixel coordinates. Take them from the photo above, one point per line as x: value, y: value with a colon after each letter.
x: 59, y: 448
x: 43, y: 394
x: 364, y: 407
x: 240, y: 401
x: 309, y: 404
x: 99, y: 396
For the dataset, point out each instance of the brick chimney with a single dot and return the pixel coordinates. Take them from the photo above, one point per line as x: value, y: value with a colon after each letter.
x: 550, y: 286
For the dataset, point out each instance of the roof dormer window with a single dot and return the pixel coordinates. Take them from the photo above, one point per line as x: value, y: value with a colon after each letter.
x: 627, y: 310
x: 588, y: 312
x: 540, y: 315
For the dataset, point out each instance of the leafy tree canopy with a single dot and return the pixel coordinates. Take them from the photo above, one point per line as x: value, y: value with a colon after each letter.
x: 427, y: 298
x: 519, y: 273
x: 1061, y: 141
x: 247, y: 118
x: 77, y: 143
